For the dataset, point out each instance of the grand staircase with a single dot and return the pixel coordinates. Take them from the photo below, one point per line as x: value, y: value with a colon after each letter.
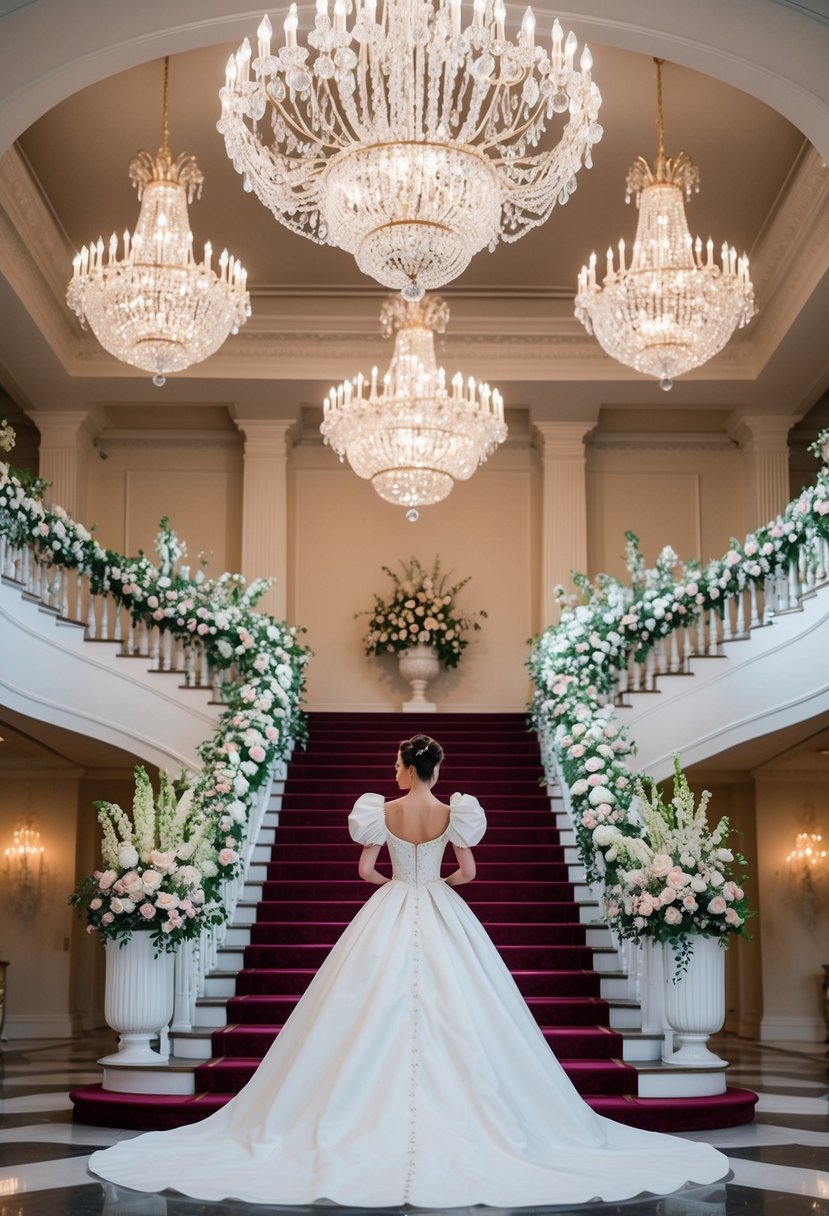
x: 529, y: 894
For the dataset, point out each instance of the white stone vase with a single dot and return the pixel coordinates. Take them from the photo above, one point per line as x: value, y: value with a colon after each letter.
x: 695, y: 1004
x: 418, y: 666
x: 138, y: 1000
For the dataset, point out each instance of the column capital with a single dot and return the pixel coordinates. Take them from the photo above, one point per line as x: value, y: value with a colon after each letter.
x: 266, y: 436
x: 761, y: 433
x: 68, y: 428
x: 562, y: 440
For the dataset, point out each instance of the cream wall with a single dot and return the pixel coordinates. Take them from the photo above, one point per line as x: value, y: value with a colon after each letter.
x: 683, y: 494
x: 341, y: 536
x: 793, y: 951
x: 39, y: 948
x: 196, y: 482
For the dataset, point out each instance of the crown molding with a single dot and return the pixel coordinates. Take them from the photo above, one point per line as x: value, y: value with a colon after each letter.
x: 34, y: 255
x: 642, y: 441
x: 791, y: 254
x: 117, y: 440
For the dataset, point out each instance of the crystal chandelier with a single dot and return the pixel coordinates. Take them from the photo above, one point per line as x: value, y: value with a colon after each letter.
x: 671, y: 308
x: 407, y: 139
x: 157, y: 308
x: 409, y: 434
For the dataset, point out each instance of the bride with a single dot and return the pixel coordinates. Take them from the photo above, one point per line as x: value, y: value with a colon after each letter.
x: 411, y: 1071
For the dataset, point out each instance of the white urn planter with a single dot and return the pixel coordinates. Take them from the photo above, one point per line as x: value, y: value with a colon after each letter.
x: 695, y: 1004
x: 418, y: 666
x: 138, y: 1000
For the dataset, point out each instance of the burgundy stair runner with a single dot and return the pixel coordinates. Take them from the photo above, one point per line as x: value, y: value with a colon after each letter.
x: 522, y: 895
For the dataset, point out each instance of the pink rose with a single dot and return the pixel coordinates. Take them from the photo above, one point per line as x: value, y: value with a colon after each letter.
x: 576, y: 751
x: 107, y: 879
x: 166, y: 900
x: 732, y: 558
x: 162, y: 861
x: 151, y: 880
x: 271, y: 733
x: 732, y: 917
x: 147, y: 911
x: 668, y: 896
x: 227, y: 857
x: 594, y: 764
x: 690, y: 904
x: 677, y: 878
x: 673, y: 916
x: 717, y: 905
x: 95, y: 904
x: 257, y: 753
x: 107, y: 918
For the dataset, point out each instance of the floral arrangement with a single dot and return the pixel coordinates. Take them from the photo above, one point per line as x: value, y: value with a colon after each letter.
x: 263, y: 659
x: 673, y: 879
x: 161, y: 869
x: 7, y: 435
x: 421, y: 611
x: 575, y: 664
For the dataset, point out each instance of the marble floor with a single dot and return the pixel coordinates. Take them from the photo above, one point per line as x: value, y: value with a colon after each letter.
x: 779, y: 1163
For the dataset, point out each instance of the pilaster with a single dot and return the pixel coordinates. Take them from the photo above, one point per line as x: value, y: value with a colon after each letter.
x: 763, y: 441
x: 563, y: 509
x: 66, y: 446
x: 265, y: 507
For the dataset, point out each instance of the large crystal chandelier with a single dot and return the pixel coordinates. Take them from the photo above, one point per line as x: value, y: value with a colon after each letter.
x: 409, y: 139
x: 412, y: 435
x: 156, y: 307
x: 671, y: 308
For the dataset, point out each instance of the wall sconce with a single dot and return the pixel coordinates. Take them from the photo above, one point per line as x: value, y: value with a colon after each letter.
x: 808, y: 868
x: 25, y: 869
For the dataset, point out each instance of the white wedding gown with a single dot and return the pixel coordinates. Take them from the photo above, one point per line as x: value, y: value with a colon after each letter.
x: 411, y: 1071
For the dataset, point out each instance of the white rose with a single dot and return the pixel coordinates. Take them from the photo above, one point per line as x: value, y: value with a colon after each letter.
x: 127, y: 856
x: 698, y: 883
x: 151, y: 880
x: 661, y: 865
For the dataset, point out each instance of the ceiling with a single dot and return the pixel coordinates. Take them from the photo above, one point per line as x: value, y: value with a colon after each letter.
x: 315, y: 316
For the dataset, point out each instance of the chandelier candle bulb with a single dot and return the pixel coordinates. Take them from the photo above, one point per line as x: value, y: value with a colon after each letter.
x: 527, y: 30
x: 243, y: 62
x: 263, y: 35
x: 290, y: 24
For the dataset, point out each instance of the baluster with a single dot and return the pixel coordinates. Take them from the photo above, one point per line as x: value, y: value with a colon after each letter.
x: 755, y: 615
x: 782, y: 592
x: 154, y: 650
x: 27, y: 568
x: 3, y: 548
x: 823, y: 559
x: 182, y: 986
x: 91, y: 622
x: 64, y: 599
x: 117, y: 635
x: 741, y: 613
x: 726, y: 620
x: 131, y: 632
x: 35, y: 578
x: 79, y: 582
x: 713, y: 633
x: 700, y: 627
x: 794, y: 585
x: 769, y: 604
x: 105, y: 613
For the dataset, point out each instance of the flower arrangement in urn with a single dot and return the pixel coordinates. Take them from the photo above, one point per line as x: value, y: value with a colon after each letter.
x: 421, y: 611
x: 672, y: 877
x: 160, y: 869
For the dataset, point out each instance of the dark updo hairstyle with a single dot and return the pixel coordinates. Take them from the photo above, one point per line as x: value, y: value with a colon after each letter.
x: 421, y: 753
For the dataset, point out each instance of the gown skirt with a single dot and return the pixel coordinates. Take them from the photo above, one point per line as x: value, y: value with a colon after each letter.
x: 411, y: 1071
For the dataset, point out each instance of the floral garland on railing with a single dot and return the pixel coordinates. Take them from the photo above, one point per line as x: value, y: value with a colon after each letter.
x: 574, y: 664
x: 264, y: 660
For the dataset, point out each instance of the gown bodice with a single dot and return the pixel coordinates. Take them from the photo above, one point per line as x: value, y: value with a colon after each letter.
x: 417, y: 864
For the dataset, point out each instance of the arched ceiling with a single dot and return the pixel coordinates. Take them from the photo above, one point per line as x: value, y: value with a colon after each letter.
x: 764, y: 188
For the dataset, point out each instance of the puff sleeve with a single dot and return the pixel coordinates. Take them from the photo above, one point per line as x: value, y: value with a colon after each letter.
x: 367, y: 821
x: 467, y: 821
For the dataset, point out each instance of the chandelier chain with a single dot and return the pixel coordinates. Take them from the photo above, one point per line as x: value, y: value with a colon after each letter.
x: 165, y: 110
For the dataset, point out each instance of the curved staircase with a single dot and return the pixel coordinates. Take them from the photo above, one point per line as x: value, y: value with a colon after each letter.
x: 529, y: 894
x: 75, y: 660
